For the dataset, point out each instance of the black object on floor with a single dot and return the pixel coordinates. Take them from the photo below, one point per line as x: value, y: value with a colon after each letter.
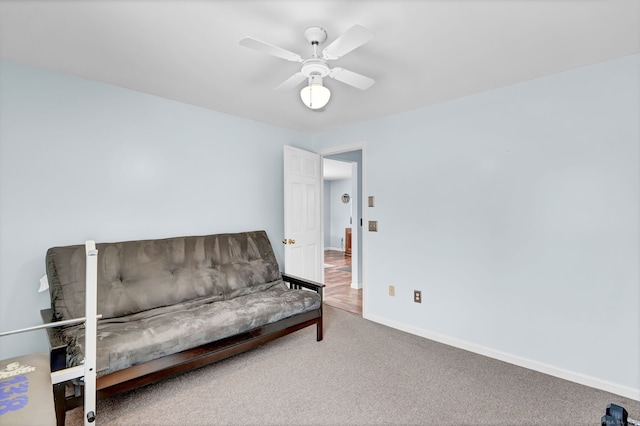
x: 615, y: 416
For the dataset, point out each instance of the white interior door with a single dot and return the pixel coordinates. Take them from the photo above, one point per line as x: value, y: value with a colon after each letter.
x: 302, y: 214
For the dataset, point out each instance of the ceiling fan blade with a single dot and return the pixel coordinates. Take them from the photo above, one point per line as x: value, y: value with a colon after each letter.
x: 355, y: 37
x: 351, y: 78
x: 292, y: 81
x: 270, y: 49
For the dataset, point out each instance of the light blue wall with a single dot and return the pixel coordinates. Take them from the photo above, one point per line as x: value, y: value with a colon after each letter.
x: 339, y: 212
x: 82, y: 160
x: 515, y: 211
x: 326, y: 217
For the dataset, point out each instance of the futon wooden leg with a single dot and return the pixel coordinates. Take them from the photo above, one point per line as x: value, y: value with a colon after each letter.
x: 319, y: 329
x: 59, y: 403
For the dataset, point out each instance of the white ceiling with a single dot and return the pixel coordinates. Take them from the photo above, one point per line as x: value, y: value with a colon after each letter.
x: 423, y: 52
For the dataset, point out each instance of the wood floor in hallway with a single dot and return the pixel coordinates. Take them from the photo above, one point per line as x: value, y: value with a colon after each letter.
x: 337, y: 280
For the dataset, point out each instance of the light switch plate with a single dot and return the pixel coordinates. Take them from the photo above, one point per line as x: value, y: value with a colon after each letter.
x: 373, y: 226
x: 372, y: 201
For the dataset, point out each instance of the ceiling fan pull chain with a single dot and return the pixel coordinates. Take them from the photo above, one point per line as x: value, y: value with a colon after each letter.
x: 311, y: 92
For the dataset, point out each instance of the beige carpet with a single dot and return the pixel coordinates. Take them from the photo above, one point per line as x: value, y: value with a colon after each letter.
x: 362, y: 373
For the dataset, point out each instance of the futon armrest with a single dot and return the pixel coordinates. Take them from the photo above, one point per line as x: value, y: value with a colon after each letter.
x: 297, y: 282
x: 57, y: 345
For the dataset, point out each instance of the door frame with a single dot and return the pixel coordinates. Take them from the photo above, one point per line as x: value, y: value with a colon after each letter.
x: 359, y: 146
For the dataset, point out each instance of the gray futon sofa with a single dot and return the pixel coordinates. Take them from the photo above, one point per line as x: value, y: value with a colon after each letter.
x: 170, y: 305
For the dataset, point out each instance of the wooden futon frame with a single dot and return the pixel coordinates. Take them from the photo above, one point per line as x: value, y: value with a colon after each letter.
x: 171, y: 365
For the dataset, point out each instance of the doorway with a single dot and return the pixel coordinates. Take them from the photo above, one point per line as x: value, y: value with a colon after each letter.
x: 342, y: 215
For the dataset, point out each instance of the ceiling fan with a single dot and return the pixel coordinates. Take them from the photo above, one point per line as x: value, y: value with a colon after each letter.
x: 314, y: 69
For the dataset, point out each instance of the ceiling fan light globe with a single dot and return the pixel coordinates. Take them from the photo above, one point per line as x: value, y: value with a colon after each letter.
x: 315, y: 96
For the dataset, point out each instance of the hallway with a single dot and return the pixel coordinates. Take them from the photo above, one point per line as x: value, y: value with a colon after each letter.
x: 337, y: 279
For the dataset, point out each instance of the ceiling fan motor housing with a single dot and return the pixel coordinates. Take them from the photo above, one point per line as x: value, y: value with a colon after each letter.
x: 315, y: 67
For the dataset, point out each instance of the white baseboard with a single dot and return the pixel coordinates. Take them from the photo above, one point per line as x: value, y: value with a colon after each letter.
x: 551, y: 370
x: 333, y: 248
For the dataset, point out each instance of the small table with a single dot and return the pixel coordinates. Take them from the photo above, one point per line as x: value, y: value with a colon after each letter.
x: 26, y: 392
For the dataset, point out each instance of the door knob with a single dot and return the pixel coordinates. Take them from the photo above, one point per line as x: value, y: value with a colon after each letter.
x: 292, y: 241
